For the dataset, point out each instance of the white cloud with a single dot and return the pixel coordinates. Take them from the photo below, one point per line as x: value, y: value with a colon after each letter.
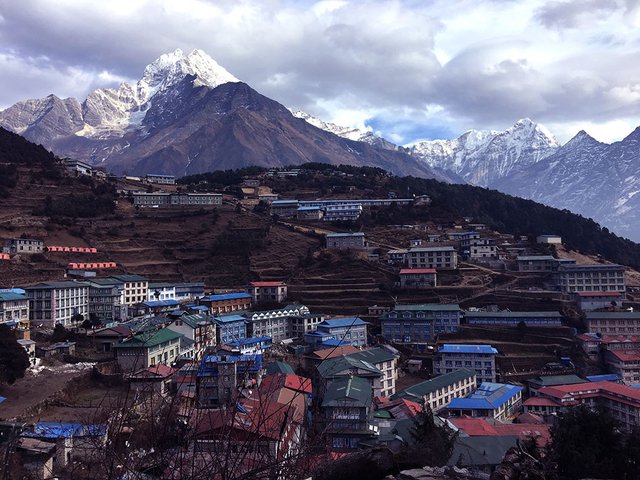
x: 476, y: 63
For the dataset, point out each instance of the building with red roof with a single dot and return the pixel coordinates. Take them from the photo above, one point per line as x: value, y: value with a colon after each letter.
x: 267, y: 292
x: 621, y: 401
x: 594, y: 300
x: 625, y: 363
x: 474, y: 427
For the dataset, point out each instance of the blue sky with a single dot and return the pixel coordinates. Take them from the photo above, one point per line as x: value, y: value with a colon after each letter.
x: 409, y: 70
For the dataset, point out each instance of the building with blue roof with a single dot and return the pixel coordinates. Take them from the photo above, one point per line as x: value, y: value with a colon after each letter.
x: 227, y: 302
x: 231, y: 328
x: 251, y: 345
x: 451, y: 357
x: 351, y: 330
x: 220, y: 377
x: 607, y: 377
x: 495, y: 400
x: 14, y: 307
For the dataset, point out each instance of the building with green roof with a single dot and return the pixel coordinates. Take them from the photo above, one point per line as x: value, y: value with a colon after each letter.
x: 345, y: 366
x: 439, y: 391
x: 347, y: 412
x: 147, y: 349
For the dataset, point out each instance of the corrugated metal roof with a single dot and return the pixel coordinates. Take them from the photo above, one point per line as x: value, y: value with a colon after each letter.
x: 429, y: 386
x: 467, y: 348
x: 348, y: 388
x: 227, y: 296
x: 488, y: 396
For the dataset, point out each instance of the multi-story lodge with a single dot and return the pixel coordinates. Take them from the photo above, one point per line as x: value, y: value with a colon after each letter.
x: 494, y: 400
x: 625, y: 363
x: 341, y: 241
x: 507, y: 318
x: 439, y: 391
x: 14, y: 307
x: 148, y: 349
x: 613, y: 323
x: 595, y: 300
x: 590, y: 278
x: 159, y: 291
x: 105, y: 301
x: 231, y: 328
x: 417, y: 277
x: 273, y: 323
x: 384, y: 360
x: 162, y: 199
x: 200, y: 329
x: 541, y: 263
x: 25, y: 245
x: 352, y: 330
x: 433, y: 257
x: 50, y: 303
x: 227, y: 302
x: 420, y: 323
x: 268, y: 292
x: 450, y: 357
x: 304, y: 323
x: 160, y: 179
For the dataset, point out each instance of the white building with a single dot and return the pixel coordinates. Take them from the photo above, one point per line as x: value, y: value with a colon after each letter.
x: 482, y: 358
x: 339, y: 241
x: 549, y: 239
x: 433, y: 257
x: 66, y: 303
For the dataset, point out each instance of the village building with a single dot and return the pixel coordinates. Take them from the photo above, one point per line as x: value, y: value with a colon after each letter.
x: 105, y: 302
x: 14, y: 309
x: 106, y: 338
x: 50, y: 303
x: 284, y: 208
x: 268, y: 292
x: 513, y: 319
x: 162, y: 199
x: 613, y: 323
x: 273, y: 323
x: 309, y: 213
x: 549, y: 239
x: 58, y: 348
x: 347, y: 412
x: 342, y: 212
x: 36, y: 457
x: 343, y: 241
x: 597, y: 300
x: 437, y: 392
x: 159, y: 291
x: 199, y: 328
x: 450, y: 357
x: 537, y: 263
x: 493, y: 400
x: 352, y: 330
x: 189, y: 291
x: 248, y: 346
x: 78, y: 167
x: 304, y: 323
x: 478, y: 248
x: 231, y: 328
x: 160, y: 179
x: 384, y: 360
x: 420, y: 323
x: 346, y: 366
x: 397, y: 257
x: 624, y: 363
x: 622, y: 402
x: 226, y: 302
x: 24, y: 245
x: 590, y: 278
x: 433, y: 257
x: 29, y: 347
x: 152, y: 380
x: 220, y: 377
x: 148, y: 349
x: 535, y: 384
x: 417, y: 278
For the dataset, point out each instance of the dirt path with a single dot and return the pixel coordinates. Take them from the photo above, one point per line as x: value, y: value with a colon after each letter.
x: 35, y: 388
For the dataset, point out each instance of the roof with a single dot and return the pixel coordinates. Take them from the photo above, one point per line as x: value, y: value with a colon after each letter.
x: 547, y: 235
x: 612, y: 315
x: 625, y: 355
x: 591, y: 266
x: 594, y: 388
x: 158, y: 370
x: 268, y: 284
x: 287, y: 380
x: 53, y: 285
x: 342, y: 322
x: 249, y: 341
x: 161, y: 303
x: 467, y: 348
x: 10, y: 296
x: 195, y: 319
x: 348, y: 388
x: 433, y: 307
x: 481, y: 450
x: 333, y: 366
x: 338, y: 235
x: 531, y: 258
x: 326, y: 353
x: 229, y: 318
x: 308, y: 209
x: 279, y: 367
x: 422, y: 389
x: 507, y: 314
x: 416, y: 271
x: 129, y: 278
x: 540, y: 402
x: 432, y: 249
x: 551, y: 380
x: 599, y: 294
x: 607, y: 377
x: 64, y: 430
x: 149, y: 339
x: 374, y: 355
x: 488, y: 396
x: 227, y: 296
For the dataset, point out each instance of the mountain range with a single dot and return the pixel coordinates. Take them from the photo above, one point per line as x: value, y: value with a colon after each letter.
x: 188, y: 115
